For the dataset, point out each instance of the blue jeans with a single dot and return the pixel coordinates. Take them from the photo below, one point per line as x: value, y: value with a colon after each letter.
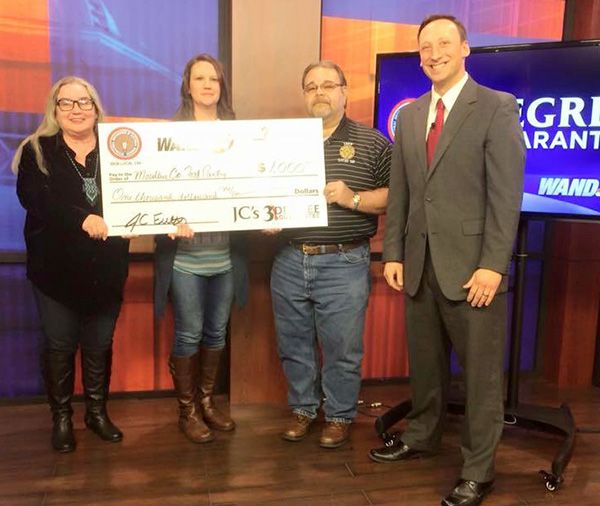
x: 321, y: 298
x: 201, y: 305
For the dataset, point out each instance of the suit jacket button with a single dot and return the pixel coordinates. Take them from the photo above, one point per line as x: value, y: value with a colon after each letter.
x: 428, y: 200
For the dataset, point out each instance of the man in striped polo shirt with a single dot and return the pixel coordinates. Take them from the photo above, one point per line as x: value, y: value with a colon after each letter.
x: 320, y: 281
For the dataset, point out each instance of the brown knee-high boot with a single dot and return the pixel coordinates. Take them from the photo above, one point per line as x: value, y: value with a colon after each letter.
x: 58, y: 369
x: 209, y: 366
x: 185, y: 378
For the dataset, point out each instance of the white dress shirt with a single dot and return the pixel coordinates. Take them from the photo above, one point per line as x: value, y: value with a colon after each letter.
x: 448, y: 99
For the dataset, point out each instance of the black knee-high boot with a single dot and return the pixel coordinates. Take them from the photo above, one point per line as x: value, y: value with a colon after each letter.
x: 58, y: 369
x: 96, y: 370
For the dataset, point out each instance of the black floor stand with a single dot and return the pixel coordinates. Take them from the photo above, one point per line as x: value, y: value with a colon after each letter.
x: 553, y: 420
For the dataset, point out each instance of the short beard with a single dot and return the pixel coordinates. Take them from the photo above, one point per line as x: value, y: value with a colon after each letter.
x: 326, y: 112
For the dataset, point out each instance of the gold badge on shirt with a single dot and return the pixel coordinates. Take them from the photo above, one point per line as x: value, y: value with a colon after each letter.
x: 347, y: 151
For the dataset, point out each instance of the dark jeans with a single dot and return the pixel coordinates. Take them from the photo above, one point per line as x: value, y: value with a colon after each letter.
x: 64, y: 329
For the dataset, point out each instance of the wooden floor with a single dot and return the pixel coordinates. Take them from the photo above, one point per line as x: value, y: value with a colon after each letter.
x: 155, y: 465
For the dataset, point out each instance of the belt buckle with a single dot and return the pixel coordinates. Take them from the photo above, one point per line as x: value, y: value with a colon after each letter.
x: 306, y: 249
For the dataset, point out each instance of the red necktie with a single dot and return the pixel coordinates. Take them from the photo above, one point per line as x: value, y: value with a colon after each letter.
x: 435, y: 131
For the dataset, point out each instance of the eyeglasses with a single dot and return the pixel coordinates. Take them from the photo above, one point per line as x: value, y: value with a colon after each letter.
x: 66, y: 104
x: 327, y: 87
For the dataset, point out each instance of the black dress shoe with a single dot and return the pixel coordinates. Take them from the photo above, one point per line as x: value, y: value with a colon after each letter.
x: 396, y: 453
x: 102, y: 426
x: 62, y: 434
x: 468, y: 493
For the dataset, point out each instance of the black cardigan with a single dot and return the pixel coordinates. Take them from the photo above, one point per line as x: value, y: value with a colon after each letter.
x: 63, y: 262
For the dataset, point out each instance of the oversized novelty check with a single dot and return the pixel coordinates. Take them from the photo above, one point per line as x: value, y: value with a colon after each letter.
x: 214, y: 176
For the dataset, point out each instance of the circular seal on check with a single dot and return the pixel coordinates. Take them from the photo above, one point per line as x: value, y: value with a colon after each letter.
x: 124, y: 143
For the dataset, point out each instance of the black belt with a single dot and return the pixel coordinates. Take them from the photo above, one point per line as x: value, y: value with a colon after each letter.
x: 322, y: 249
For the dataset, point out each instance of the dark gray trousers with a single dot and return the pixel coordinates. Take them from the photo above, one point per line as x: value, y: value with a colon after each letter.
x: 435, y: 325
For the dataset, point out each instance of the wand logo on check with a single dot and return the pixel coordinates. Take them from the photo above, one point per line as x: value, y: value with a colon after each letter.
x: 124, y: 143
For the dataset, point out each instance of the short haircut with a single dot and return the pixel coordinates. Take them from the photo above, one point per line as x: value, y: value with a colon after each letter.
x: 435, y: 17
x: 325, y: 64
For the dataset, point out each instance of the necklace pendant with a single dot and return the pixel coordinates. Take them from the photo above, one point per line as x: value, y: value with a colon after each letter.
x: 90, y: 189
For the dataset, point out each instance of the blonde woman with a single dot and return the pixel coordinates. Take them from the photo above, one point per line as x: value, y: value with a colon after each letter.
x: 77, y: 272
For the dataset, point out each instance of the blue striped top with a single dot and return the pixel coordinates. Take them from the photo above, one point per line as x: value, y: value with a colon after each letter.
x: 205, y: 254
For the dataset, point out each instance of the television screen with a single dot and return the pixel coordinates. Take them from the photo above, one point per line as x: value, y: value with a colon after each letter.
x: 557, y: 86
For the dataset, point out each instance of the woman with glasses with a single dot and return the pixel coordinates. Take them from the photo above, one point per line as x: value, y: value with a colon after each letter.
x: 202, y: 273
x: 76, y: 270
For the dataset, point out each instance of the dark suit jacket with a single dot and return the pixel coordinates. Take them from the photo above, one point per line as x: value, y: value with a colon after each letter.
x: 466, y: 205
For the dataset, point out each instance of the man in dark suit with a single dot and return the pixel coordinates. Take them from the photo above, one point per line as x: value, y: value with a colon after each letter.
x: 453, y: 212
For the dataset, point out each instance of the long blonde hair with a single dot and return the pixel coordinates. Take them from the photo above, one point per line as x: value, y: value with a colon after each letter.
x: 49, y: 126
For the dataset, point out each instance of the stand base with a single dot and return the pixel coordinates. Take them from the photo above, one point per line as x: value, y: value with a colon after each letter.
x: 541, y: 418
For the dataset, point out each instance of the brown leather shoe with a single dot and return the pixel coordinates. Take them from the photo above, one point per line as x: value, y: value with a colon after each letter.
x: 185, y: 372
x: 334, y: 434
x: 297, y: 428
x: 194, y: 428
x: 209, y: 366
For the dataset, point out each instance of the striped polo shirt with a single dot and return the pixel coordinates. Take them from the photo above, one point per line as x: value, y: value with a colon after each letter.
x: 361, y: 157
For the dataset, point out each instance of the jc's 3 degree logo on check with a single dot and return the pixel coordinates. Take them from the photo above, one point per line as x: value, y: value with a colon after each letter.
x: 264, y: 213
